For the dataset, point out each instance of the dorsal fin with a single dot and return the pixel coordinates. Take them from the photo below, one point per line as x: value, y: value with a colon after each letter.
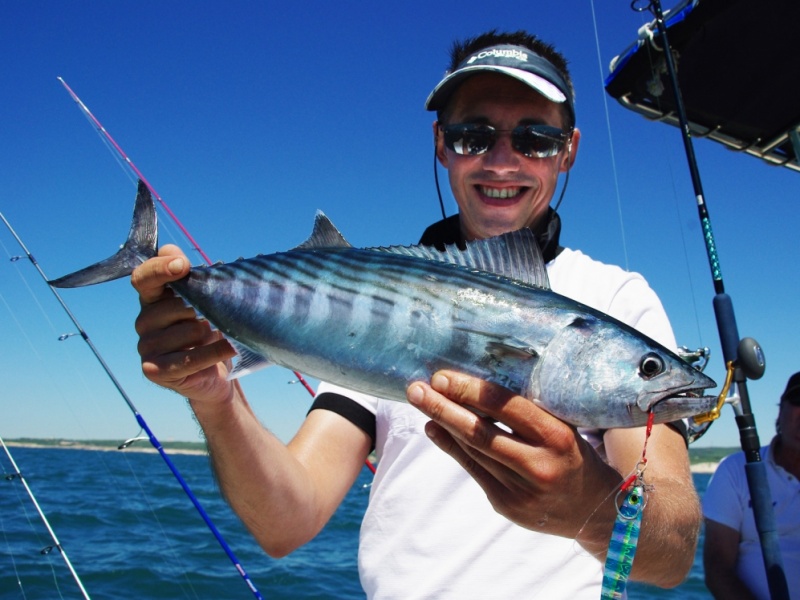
x: 324, y: 235
x: 515, y: 255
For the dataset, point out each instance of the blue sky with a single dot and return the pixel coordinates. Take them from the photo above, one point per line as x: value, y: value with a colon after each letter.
x: 247, y: 117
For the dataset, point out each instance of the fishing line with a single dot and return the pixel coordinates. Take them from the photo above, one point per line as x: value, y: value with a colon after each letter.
x: 17, y: 476
x: 612, y: 156
x: 128, y: 166
x: 76, y: 370
x: 45, y: 552
x: 128, y: 162
x: 687, y: 262
x: 612, y: 153
x: 110, y: 474
x: 650, y: 48
x: 140, y: 419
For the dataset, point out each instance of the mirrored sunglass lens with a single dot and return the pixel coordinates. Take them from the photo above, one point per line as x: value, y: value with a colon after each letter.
x: 538, y: 140
x: 469, y: 139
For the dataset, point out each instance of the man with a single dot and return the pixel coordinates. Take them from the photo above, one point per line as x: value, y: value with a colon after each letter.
x: 535, y: 517
x: 732, y: 557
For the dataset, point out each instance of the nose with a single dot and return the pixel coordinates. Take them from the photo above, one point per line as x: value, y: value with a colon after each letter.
x: 502, y: 158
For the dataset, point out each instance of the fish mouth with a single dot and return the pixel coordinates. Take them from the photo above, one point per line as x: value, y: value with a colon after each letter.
x: 683, y: 401
x: 687, y: 399
x: 685, y: 405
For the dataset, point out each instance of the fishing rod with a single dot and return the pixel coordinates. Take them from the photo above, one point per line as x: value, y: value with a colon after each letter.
x: 126, y: 161
x: 17, y: 474
x: 102, y: 131
x: 743, y: 357
x: 139, y: 418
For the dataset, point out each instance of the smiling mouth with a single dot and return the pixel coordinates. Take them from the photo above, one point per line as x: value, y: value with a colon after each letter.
x: 505, y: 193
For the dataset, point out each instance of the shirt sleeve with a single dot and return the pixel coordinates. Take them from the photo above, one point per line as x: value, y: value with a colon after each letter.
x: 723, y: 501
x: 358, y: 408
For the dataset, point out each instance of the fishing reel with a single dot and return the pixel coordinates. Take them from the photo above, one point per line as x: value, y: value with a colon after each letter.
x: 750, y: 363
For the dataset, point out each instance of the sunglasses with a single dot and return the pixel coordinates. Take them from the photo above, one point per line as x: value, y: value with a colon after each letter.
x: 533, y: 141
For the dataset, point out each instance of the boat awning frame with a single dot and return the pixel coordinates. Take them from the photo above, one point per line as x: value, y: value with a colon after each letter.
x: 738, y: 65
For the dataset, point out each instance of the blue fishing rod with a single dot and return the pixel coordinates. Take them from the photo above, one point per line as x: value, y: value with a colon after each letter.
x: 743, y: 357
x: 139, y: 418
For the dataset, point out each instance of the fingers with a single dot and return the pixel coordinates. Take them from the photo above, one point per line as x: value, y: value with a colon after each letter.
x: 532, y: 473
x: 178, y: 350
x: 538, y: 445
x: 151, y: 277
x: 170, y: 325
x: 518, y: 413
x: 477, y: 443
x: 175, y: 369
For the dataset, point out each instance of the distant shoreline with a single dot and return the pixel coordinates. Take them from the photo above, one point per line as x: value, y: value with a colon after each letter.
x: 140, y: 446
x: 704, y: 467
x: 704, y: 460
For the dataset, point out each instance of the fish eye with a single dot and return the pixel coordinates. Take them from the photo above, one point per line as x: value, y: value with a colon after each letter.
x: 651, y: 365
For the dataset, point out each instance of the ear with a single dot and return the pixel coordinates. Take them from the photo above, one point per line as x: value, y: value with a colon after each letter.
x: 438, y: 143
x: 572, y: 151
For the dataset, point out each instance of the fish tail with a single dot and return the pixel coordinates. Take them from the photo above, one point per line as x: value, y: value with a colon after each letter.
x: 142, y: 243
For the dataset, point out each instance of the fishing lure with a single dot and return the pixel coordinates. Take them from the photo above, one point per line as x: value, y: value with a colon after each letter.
x: 624, y: 538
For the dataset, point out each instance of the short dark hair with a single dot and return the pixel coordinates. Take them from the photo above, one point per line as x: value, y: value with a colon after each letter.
x: 461, y: 49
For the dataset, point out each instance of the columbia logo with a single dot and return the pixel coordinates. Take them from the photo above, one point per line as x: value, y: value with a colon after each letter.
x: 497, y: 53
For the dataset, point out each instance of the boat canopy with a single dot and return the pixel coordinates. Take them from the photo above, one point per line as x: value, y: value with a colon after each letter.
x: 738, y: 66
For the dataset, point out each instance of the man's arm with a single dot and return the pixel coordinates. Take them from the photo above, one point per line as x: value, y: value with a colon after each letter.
x: 672, y: 517
x: 284, y: 494
x: 545, y: 477
x: 720, y: 555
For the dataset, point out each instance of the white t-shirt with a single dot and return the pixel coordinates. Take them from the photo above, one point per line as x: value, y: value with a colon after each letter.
x: 429, y: 530
x: 727, y: 501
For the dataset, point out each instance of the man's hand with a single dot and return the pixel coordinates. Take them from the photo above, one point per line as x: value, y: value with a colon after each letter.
x: 542, y: 475
x: 538, y: 472
x: 178, y: 350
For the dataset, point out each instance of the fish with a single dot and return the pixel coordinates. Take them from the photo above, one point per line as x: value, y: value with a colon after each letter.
x: 375, y: 320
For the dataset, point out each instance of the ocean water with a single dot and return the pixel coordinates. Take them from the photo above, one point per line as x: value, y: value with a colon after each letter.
x: 131, y: 532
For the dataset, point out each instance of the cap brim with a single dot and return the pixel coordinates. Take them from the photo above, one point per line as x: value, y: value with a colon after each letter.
x: 442, y: 92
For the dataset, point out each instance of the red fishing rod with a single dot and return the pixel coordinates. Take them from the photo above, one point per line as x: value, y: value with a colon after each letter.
x: 115, y: 147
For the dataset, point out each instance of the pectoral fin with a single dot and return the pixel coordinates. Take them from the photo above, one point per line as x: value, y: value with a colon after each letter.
x: 248, y: 361
x: 511, y: 362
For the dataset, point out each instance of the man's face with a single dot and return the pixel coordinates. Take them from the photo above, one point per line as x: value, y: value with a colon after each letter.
x: 501, y: 190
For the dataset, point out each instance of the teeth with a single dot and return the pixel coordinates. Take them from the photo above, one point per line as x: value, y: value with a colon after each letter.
x: 500, y: 192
